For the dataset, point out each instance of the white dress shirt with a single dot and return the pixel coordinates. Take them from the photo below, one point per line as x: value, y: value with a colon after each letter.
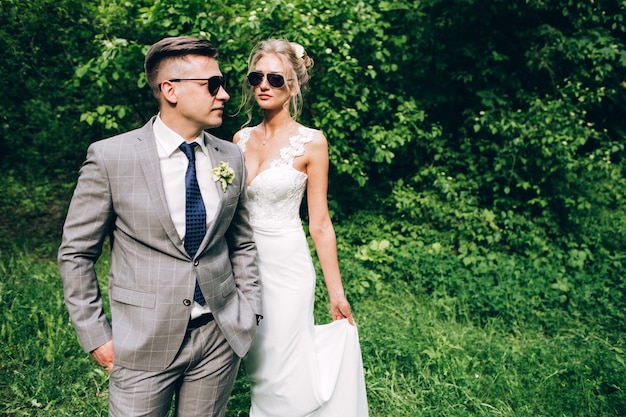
x: 173, y: 168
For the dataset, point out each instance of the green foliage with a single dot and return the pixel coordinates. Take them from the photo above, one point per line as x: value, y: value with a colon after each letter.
x: 424, y: 355
x: 512, y: 273
x: 41, y: 42
x: 541, y: 147
x: 520, y: 104
x: 31, y: 212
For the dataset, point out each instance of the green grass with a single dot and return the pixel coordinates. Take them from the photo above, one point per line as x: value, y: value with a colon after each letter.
x: 423, y: 356
x: 422, y: 361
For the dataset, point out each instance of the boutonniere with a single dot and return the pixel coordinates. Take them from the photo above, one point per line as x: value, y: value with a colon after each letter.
x: 224, y: 174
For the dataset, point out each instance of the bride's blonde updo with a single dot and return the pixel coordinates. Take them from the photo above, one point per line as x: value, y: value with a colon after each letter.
x: 296, y: 63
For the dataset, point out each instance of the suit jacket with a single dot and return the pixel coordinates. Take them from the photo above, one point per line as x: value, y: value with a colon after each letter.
x: 151, y: 277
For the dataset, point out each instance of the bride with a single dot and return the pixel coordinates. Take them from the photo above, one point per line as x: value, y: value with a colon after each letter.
x: 295, y: 368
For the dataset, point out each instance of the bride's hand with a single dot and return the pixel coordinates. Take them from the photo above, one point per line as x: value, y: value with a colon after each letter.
x: 340, y: 309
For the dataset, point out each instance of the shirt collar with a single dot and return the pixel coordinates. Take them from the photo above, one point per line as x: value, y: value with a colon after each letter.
x: 170, y: 140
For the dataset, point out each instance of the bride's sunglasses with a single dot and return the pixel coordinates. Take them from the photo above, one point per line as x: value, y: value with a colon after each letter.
x: 213, y: 84
x: 255, y: 78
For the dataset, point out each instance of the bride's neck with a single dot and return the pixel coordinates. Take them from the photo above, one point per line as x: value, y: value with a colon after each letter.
x: 276, y: 121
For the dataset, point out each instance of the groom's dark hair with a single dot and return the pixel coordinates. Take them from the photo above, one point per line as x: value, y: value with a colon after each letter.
x: 174, y: 47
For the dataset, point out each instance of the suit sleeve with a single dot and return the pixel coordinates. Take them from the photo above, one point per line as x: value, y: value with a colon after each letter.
x: 89, y: 219
x: 243, y: 249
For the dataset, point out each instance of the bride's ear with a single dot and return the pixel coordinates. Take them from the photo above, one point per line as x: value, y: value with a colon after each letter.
x: 296, y: 90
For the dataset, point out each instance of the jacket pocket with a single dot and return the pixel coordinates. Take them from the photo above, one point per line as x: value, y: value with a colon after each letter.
x: 132, y: 297
x: 228, y: 286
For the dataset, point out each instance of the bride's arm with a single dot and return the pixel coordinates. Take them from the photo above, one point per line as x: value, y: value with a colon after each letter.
x: 321, y: 226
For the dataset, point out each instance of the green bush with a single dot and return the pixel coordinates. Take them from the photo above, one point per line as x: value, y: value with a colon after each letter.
x: 538, y: 284
x: 32, y: 211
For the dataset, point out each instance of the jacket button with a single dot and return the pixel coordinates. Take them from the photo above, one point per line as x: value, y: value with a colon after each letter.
x: 187, y: 302
x: 196, y: 263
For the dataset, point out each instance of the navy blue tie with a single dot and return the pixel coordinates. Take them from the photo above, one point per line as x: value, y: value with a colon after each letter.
x: 195, y: 213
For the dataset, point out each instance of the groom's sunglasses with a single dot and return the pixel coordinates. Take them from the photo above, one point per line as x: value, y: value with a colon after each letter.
x: 255, y: 78
x: 213, y: 83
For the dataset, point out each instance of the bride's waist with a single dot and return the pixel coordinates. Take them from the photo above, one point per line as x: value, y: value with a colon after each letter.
x: 271, y: 225
x: 275, y: 219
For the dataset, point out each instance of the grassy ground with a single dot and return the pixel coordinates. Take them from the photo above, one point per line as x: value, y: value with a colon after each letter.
x: 422, y: 356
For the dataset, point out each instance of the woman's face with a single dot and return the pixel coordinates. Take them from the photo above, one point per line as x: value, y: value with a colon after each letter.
x: 267, y: 96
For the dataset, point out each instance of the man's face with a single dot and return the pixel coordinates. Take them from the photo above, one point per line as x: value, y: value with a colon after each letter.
x: 194, y: 105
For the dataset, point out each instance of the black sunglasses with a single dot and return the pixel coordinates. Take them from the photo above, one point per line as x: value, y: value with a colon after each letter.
x: 214, y: 83
x: 275, y: 80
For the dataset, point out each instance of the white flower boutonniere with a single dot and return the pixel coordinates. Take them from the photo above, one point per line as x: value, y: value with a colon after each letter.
x: 224, y: 174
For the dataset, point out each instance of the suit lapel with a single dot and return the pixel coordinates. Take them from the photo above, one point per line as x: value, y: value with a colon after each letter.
x: 216, y: 156
x: 148, y: 157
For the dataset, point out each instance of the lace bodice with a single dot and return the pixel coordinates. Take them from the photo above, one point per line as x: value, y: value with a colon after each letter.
x: 275, y: 194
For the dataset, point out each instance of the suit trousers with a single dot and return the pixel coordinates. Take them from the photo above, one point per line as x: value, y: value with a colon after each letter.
x: 201, y: 379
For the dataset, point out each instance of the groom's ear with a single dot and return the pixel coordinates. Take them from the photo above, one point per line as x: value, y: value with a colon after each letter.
x: 168, y: 92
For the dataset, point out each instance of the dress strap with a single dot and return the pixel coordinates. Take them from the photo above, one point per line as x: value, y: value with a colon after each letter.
x: 244, y: 136
x: 295, y: 148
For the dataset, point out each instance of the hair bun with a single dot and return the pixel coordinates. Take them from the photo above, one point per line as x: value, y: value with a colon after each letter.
x: 301, y: 54
x: 298, y: 49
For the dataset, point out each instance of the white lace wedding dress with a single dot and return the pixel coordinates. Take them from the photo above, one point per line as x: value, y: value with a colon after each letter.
x: 295, y: 368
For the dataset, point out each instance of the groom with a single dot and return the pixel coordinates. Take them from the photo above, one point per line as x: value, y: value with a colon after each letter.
x: 183, y: 284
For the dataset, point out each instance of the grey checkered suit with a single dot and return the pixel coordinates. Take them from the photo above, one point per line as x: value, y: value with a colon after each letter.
x: 151, y: 280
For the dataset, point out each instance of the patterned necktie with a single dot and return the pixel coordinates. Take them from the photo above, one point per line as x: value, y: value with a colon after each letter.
x: 195, y: 213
